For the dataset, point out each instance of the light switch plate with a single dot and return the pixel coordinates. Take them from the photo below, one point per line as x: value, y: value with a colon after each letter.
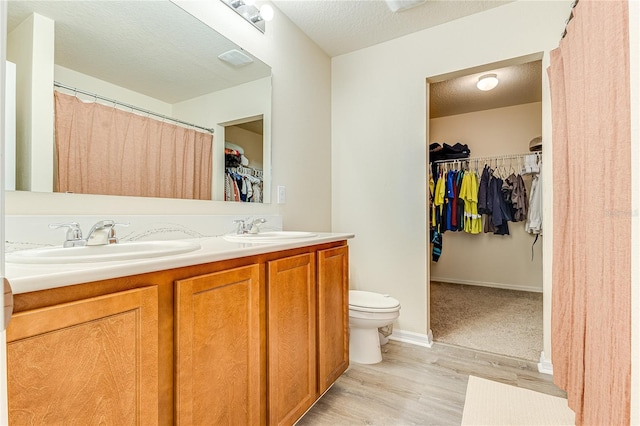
x: 282, y: 194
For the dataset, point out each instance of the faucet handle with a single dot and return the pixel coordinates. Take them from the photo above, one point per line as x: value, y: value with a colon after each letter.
x: 74, y: 233
x: 255, y: 225
x: 112, y: 231
x: 240, y: 226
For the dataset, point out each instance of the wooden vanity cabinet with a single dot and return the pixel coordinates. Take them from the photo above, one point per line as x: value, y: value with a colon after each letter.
x: 253, y: 340
x: 333, y: 315
x: 291, y: 319
x: 308, y: 326
x: 91, y: 361
x: 218, y: 348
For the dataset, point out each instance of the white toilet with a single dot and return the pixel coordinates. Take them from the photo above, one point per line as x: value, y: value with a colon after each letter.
x: 367, y: 312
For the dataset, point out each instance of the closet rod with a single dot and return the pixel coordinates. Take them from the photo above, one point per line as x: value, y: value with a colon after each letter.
x: 489, y: 158
x: 133, y: 107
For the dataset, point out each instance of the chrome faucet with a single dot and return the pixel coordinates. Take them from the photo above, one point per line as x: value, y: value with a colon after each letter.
x: 74, y: 234
x: 102, y: 233
x: 248, y: 226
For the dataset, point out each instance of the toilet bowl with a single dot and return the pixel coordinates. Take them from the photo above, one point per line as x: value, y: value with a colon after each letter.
x: 367, y: 312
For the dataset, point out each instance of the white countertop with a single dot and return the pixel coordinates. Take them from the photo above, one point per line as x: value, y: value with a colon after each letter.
x: 33, y: 277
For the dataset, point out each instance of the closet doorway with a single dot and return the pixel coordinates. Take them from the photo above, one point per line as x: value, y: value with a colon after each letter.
x: 485, y: 285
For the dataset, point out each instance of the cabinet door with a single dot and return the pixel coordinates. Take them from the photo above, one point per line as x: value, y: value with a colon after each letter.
x: 218, y: 348
x: 291, y: 301
x: 93, y: 361
x: 333, y: 315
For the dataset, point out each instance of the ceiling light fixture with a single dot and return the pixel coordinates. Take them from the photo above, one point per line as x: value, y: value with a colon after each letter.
x: 487, y: 82
x: 251, y: 13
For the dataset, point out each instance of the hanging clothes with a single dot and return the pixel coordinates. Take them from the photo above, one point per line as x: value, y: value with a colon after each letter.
x: 469, y: 195
x: 534, y: 217
x: 450, y: 201
x: 500, y: 212
x: 517, y: 197
x: 438, y: 207
x: 466, y: 201
x: 460, y: 202
x: 241, y: 184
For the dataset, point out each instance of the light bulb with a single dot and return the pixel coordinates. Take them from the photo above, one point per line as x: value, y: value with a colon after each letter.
x: 266, y: 11
x: 487, y: 82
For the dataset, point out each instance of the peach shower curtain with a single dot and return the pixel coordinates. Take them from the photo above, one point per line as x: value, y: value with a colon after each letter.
x: 104, y: 150
x: 591, y: 308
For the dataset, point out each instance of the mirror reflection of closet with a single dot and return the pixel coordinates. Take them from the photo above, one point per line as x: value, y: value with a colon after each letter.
x: 244, y: 161
x: 484, y: 269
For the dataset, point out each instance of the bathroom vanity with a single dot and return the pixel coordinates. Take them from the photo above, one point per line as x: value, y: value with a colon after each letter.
x: 232, y: 333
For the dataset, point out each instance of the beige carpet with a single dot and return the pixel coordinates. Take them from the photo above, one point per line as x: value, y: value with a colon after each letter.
x: 506, y: 322
x: 492, y: 403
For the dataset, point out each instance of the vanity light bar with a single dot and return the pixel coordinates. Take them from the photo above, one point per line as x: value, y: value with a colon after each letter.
x: 250, y: 13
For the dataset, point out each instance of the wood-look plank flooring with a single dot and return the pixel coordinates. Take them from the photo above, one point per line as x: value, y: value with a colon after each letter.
x: 414, y: 385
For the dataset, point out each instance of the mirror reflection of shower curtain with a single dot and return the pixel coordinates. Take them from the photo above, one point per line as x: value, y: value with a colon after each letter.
x: 104, y: 150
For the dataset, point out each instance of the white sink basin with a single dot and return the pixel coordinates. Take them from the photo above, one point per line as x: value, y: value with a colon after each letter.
x: 269, y: 237
x: 106, y: 253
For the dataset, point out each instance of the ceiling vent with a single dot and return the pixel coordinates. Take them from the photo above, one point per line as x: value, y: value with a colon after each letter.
x: 235, y: 58
x: 400, y: 5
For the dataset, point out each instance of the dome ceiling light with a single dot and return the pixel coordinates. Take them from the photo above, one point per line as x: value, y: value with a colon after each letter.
x: 487, y: 82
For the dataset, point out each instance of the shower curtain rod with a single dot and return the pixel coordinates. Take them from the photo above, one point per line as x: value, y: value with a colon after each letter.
x: 133, y: 107
x: 488, y: 158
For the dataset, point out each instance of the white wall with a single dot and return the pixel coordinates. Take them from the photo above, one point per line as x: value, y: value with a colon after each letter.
x: 503, y: 261
x: 91, y: 84
x: 379, y: 136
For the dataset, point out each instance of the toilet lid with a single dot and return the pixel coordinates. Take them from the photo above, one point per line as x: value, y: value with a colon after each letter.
x: 366, y: 300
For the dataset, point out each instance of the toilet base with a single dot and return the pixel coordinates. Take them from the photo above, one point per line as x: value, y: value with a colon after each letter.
x: 364, y: 346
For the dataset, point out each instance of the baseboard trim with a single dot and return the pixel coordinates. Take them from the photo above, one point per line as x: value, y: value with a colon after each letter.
x: 425, y: 340
x: 544, y: 366
x: 487, y: 284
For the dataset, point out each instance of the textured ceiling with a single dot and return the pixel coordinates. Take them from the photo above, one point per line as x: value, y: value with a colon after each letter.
x: 151, y: 47
x: 342, y: 26
x: 518, y: 84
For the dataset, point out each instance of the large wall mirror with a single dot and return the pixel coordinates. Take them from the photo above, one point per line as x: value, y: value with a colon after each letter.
x: 151, y: 58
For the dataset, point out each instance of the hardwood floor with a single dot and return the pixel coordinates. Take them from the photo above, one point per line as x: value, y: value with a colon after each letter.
x: 414, y: 385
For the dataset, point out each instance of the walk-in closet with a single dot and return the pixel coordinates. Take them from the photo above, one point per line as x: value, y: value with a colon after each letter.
x: 485, y: 212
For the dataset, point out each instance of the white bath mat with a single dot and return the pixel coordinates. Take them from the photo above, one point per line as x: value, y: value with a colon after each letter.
x: 490, y: 403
